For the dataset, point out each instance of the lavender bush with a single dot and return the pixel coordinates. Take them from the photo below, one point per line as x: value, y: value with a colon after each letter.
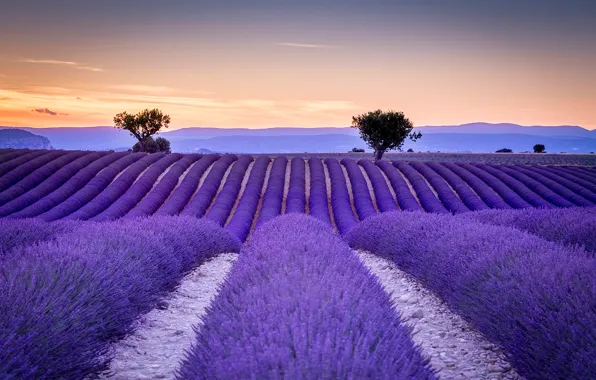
x: 318, y: 202
x: 296, y: 199
x: 576, y: 225
x: 180, y: 197
x: 361, y: 194
x: 65, y: 301
x: 15, y: 233
x: 241, y: 222
x: 517, y: 186
x: 343, y: 214
x: 405, y: 198
x: 201, y: 201
x: 469, y: 198
x: 535, y: 298
x: 384, y: 198
x: 138, y: 190
x: 164, y: 188
x: 273, y: 197
x: 115, y: 189
x: 537, y: 187
x: 446, y: 195
x: 91, y: 189
x: 71, y: 186
x: 21, y: 159
x: 17, y: 174
x: 497, y: 186
x: 226, y: 198
x: 427, y: 198
x: 53, y: 182
x: 299, y: 304
x: 479, y: 185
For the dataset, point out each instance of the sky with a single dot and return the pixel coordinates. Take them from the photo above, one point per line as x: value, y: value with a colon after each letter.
x: 273, y: 63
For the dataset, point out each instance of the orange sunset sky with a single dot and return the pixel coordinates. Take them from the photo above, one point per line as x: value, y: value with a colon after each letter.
x: 309, y: 63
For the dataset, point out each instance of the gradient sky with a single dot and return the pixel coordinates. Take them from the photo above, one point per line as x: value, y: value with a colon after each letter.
x: 267, y: 63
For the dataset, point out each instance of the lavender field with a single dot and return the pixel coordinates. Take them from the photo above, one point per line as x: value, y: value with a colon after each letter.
x: 133, y: 265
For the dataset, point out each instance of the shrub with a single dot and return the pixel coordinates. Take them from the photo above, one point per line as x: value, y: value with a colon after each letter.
x: 299, y: 304
x: 504, y: 150
x: 539, y: 148
x: 533, y: 297
x: 357, y: 150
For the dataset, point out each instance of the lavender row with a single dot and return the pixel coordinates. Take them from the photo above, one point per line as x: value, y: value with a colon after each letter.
x: 586, y: 176
x: 199, y: 204
x: 24, y: 183
x: 506, y: 282
x: 241, y: 222
x: 556, y: 185
x: 575, y: 225
x: 360, y: 192
x: 497, y: 186
x: 535, y: 186
x: 60, y: 177
x: 8, y: 166
x: 223, y: 204
x: 299, y: 304
x: 74, y: 184
x: 17, y: 174
x: 115, y: 189
x: 19, y: 233
x: 65, y: 301
x: 427, y: 198
x: 138, y: 190
x: 11, y: 154
x: 296, y: 199
x: 384, y: 198
x: 343, y: 214
x: 518, y: 187
x: 273, y: 197
x: 318, y: 202
x: 164, y: 188
x: 405, y: 198
x: 466, y: 194
x: 446, y: 195
x: 570, y: 175
x: 176, y: 202
x: 570, y: 182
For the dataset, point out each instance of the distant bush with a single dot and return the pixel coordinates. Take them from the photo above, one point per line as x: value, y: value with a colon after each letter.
x: 504, y: 150
x: 357, y: 150
x: 154, y: 146
x: 539, y: 148
x: 410, y: 150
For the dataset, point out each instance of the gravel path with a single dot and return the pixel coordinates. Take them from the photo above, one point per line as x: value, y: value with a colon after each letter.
x: 163, y: 334
x: 371, y: 190
x: 242, y: 188
x: 329, y: 204
x: 286, y: 186
x: 307, y: 187
x: 455, y: 349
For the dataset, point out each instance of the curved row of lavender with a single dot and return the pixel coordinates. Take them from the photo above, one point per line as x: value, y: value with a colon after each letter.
x: 299, y: 304
x: 106, y: 186
x: 570, y: 226
x: 66, y: 298
x: 535, y: 298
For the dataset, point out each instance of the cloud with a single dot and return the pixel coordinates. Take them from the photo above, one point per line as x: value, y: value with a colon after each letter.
x: 75, y: 65
x: 143, y: 88
x: 306, y: 46
x: 48, y: 112
x: 4, y: 98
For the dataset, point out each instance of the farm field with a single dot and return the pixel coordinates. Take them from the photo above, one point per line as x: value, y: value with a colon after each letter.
x: 133, y: 265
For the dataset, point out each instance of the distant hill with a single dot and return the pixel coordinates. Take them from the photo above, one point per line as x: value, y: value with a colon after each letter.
x: 471, y: 137
x: 20, y: 139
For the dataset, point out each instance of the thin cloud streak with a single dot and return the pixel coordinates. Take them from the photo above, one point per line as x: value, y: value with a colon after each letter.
x: 48, y: 112
x: 306, y: 46
x: 75, y: 65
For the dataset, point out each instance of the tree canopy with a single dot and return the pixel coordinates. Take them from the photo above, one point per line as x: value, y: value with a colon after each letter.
x: 539, y: 148
x: 384, y: 131
x: 142, y: 125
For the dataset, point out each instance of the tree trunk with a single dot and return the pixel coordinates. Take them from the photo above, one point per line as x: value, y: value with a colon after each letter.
x: 141, y: 145
x: 378, y: 154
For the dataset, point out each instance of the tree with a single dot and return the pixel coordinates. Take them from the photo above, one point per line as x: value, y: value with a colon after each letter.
x: 504, y: 150
x: 384, y: 130
x: 410, y: 150
x: 539, y: 148
x: 357, y: 150
x: 154, y: 146
x: 143, y: 125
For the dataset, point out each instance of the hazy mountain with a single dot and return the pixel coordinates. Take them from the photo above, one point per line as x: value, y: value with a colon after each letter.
x: 473, y: 137
x: 20, y: 139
